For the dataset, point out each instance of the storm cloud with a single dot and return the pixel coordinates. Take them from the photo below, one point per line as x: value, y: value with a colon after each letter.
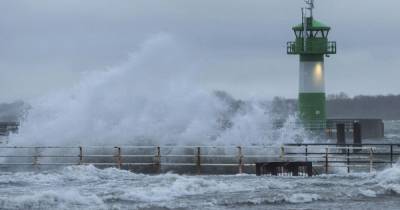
x: 45, y: 45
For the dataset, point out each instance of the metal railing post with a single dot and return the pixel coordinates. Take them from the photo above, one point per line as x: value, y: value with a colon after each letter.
x: 371, y: 161
x: 306, y: 153
x: 240, y: 156
x: 282, y: 155
x: 326, y: 159
x: 36, y: 157
x: 198, y: 161
x: 80, y: 155
x: 157, y: 160
x: 118, y: 157
x: 348, y: 159
x: 391, y: 155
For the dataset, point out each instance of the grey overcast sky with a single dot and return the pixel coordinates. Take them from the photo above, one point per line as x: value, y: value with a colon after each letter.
x: 46, y: 44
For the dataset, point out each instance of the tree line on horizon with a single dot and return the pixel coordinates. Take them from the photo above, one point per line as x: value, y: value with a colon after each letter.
x: 386, y: 107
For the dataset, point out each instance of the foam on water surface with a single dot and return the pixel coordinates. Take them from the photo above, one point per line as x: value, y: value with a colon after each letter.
x: 92, y: 188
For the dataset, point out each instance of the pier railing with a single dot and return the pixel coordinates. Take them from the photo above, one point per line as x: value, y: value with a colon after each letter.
x: 326, y: 158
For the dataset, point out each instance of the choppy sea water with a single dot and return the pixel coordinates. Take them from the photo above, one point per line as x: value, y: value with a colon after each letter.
x: 87, y: 187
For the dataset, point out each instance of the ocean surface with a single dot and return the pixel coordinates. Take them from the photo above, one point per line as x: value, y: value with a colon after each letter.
x: 87, y: 187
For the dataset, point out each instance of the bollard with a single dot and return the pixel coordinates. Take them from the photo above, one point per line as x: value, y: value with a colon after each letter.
x: 357, y: 140
x: 340, y: 134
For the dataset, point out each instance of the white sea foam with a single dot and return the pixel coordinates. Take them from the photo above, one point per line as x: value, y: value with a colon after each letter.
x: 89, y: 187
x: 389, y: 179
x: 303, y: 198
x: 54, y: 199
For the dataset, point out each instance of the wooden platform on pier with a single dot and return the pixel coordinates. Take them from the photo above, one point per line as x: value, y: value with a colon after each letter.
x: 294, y: 168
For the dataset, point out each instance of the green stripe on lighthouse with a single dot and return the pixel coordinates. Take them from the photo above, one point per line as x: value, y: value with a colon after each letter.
x: 312, y: 109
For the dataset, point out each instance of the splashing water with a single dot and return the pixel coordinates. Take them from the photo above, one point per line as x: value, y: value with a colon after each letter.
x: 150, y: 99
x: 87, y: 187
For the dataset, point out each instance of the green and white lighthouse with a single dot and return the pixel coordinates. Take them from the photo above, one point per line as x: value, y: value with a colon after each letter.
x: 312, y: 46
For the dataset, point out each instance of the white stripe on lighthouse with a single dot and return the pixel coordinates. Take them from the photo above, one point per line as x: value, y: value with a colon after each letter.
x: 312, y: 78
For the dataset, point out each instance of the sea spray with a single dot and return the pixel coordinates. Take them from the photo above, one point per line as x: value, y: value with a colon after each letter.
x: 151, y: 99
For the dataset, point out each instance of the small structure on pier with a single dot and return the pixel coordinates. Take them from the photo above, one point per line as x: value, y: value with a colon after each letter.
x: 7, y: 127
x: 284, y: 168
x: 370, y: 128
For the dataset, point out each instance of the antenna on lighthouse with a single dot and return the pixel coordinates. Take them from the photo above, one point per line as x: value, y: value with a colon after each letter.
x: 310, y: 6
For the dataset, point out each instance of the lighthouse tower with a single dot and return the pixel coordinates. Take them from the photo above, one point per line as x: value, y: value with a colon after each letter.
x: 312, y: 46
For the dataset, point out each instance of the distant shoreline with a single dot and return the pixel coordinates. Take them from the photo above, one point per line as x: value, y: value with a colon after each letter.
x: 386, y: 107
